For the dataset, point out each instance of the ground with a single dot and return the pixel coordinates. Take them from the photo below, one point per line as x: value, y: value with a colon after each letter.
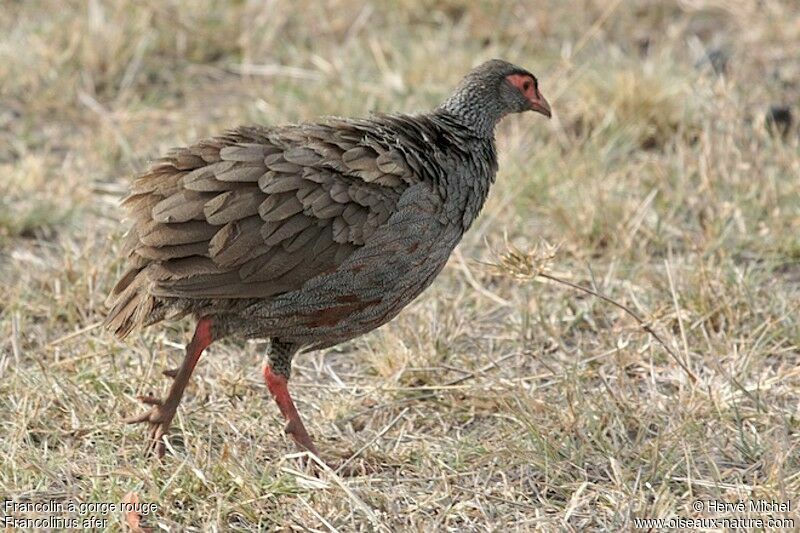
x: 499, y: 400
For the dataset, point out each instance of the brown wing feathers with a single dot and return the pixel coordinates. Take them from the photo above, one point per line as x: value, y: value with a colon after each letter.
x: 252, y: 214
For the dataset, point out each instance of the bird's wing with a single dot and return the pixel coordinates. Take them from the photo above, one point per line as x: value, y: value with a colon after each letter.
x: 410, y: 249
x: 260, y: 212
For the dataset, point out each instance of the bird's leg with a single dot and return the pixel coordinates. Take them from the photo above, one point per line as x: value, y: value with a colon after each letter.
x: 160, y: 416
x: 277, y: 383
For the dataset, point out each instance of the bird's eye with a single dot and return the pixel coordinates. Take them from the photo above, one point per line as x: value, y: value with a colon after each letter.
x: 526, y: 86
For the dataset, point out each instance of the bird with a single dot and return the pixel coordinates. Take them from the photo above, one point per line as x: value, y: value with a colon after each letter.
x: 308, y: 234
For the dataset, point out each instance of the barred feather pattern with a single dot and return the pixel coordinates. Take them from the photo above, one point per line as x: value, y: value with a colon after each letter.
x: 312, y: 234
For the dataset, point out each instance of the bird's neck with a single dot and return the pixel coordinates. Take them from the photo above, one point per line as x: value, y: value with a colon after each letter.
x: 473, y: 106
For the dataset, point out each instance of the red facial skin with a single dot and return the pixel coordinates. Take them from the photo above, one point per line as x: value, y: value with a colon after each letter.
x: 527, y: 86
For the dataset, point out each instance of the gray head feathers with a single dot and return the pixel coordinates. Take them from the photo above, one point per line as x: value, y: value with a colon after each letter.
x: 485, y: 96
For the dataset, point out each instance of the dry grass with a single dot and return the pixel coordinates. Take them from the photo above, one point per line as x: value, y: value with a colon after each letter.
x: 656, y: 177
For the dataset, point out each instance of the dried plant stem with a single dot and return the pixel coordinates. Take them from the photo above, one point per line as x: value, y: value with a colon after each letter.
x: 645, y: 326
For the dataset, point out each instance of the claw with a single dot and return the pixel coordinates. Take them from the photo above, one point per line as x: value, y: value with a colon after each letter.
x: 170, y: 372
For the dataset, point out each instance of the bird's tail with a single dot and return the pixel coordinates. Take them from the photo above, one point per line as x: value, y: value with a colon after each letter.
x: 132, y: 305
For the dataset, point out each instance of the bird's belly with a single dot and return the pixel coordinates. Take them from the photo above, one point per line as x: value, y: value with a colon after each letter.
x: 367, y: 291
x: 384, y: 295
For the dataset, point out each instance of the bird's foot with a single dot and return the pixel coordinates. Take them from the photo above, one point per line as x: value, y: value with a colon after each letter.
x: 158, y: 418
x: 160, y: 415
x: 295, y: 429
x: 277, y: 385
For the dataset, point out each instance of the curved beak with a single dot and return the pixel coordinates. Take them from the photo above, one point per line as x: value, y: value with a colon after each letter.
x: 540, y: 105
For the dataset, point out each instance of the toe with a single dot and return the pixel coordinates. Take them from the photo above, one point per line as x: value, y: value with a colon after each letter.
x: 158, y: 446
x: 150, y: 400
x: 137, y: 419
x: 160, y: 449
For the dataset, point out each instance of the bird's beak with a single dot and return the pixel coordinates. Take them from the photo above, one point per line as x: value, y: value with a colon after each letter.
x: 540, y: 105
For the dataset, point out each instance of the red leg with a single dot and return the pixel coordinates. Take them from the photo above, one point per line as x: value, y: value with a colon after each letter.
x: 160, y: 416
x: 278, y: 388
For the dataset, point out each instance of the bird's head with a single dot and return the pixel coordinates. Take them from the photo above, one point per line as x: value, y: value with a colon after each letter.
x: 521, y: 92
x: 492, y: 90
